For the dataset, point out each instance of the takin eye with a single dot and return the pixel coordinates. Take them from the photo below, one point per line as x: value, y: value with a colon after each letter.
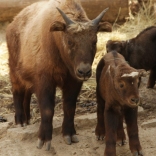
x: 121, y: 85
x: 70, y: 43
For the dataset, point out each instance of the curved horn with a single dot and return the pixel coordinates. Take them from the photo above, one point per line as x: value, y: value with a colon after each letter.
x: 99, y: 17
x: 66, y: 19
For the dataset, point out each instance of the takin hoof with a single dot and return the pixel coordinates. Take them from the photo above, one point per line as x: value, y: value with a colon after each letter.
x: 100, y: 137
x: 40, y: 144
x: 137, y: 153
x: 121, y: 142
x: 69, y: 139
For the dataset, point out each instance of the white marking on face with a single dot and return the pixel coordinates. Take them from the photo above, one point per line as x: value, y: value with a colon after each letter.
x: 132, y: 74
x: 108, y: 69
x: 132, y: 83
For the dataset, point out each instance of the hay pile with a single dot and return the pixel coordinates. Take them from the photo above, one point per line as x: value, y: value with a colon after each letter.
x: 130, y: 29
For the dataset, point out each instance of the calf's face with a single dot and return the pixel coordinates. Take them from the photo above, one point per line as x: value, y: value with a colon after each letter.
x: 127, y: 87
x: 79, y: 43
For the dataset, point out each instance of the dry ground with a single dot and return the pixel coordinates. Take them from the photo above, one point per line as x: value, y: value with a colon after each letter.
x: 22, y: 141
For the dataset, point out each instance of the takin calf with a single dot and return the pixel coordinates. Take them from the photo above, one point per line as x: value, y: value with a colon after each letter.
x: 140, y: 52
x: 51, y: 44
x: 117, y: 98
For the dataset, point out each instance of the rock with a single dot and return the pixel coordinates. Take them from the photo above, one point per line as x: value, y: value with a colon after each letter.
x: 149, y: 124
x: 86, y: 120
x: 23, y: 133
x: 3, y: 128
x: 10, y: 117
x: 140, y: 110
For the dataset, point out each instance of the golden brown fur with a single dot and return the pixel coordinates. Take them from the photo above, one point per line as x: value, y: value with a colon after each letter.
x: 51, y: 44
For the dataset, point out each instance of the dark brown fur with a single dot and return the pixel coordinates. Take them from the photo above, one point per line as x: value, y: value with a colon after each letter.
x: 117, y: 97
x: 140, y: 52
x: 45, y: 52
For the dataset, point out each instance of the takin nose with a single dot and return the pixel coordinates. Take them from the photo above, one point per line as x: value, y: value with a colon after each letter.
x: 135, y: 100
x: 84, y: 71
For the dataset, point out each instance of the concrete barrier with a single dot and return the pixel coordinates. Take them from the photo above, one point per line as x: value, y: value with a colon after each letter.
x: 10, y: 8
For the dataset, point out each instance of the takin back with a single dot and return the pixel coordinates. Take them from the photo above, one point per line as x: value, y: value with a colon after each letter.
x: 140, y: 52
x: 51, y: 44
x: 117, y: 98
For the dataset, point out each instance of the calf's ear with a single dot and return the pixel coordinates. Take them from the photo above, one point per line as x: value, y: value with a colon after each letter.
x: 58, y: 26
x: 142, y: 73
x: 105, y: 26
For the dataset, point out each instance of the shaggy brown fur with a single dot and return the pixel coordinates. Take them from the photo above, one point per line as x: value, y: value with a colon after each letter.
x: 117, y: 97
x: 140, y: 52
x: 45, y: 51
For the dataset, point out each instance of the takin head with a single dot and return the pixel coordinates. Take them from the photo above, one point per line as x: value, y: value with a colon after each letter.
x: 79, y: 42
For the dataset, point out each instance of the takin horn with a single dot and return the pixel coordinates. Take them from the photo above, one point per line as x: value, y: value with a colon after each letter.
x: 99, y: 17
x: 66, y: 19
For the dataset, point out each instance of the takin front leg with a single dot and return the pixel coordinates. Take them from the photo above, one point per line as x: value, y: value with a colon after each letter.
x: 121, y: 137
x: 132, y: 130
x: 111, y: 124
x: 46, y: 98
x: 152, y: 78
x: 70, y: 93
x: 100, y: 128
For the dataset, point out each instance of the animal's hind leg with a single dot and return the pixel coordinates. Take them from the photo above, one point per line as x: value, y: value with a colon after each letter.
x: 70, y: 94
x: 121, y: 137
x: 152, y: 78
x: 18, y: 97
x: 100, y: 128
x: 26, y: 105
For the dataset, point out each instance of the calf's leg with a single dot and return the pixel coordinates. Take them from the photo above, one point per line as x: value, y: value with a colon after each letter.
x: 152, y: 78
x: 111, y: 124
x: 70, y: 93
x: 132, y: 131
x: 100, y: 128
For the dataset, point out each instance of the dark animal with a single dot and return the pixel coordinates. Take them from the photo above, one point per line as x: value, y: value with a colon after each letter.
x: 51, y: 47
x: 140, y: 52
x: 117, y: 97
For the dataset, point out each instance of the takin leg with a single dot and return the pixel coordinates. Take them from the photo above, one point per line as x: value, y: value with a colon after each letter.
x: 121, y: 137
x: 26, y: 105
x: 152, y: 78
x: 111, y: 124
x: 18, y: 98
x: 46, y: 97
x: 70, y: 93
x: 100, y: 128
x: 132, y: 131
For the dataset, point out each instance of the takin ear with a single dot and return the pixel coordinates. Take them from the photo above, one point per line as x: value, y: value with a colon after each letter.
x: 58, y: 26
x: 142, y: 73
x: 111, y: 71
x: 105, y: 26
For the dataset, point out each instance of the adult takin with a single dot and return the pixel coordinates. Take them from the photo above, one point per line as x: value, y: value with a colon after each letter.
x: 117, y: 99
x: 51, y: 44
x: 139, y: 51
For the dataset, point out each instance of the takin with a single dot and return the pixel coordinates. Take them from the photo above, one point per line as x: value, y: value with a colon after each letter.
x: 117, y: 99
x: 51, y: 44
x: 140, y: 52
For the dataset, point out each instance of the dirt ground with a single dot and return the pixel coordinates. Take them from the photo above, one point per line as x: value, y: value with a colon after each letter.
x: 19, y: 141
